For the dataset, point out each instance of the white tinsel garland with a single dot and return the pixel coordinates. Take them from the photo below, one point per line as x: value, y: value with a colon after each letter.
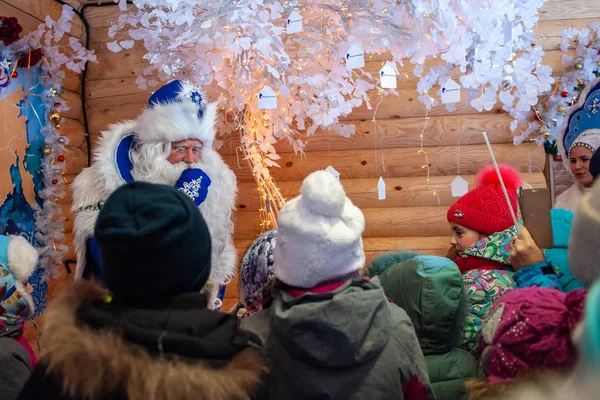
x: 49, y: 224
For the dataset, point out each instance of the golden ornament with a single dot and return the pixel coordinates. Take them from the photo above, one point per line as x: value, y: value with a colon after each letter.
x: 57, y: 126
x: 47, y: 150
x: 598, y: 63
x: 578, y: 66
x: 546, y: 134
x: 580, y: 81
x: 55, y: 116
x: 560, y: 109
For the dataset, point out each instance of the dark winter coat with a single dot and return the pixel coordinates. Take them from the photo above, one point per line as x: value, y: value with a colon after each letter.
x: 431, y: 291
x: 346, y: 344
x: 181, y: 350
x: 15, y: 365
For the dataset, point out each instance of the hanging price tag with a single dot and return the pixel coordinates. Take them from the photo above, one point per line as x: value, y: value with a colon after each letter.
x: 355, y: 57
x: 333, y: 171
x: 294, y: 23
x: 387, y: 74
x: 381, y: 189
x: 460, y: 187
x: 450, y: 92
x: 267, y: 99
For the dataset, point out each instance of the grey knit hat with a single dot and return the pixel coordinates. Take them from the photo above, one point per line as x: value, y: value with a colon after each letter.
x: 257, y: 268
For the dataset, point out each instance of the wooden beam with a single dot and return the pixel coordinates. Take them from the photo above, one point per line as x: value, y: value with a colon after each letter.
x: 113, y: 88
x: 99, y: 118
x: 74, y: 130
x: 569, y: 10
x: 400, y: 192
x: 399, y: 162
x: 68, y: 216
x: 104, y: 16
x: 73, y: 100
x: 75, y: 159
x: 444, y: 130
x: 71, y: 81
x: 380, y: 222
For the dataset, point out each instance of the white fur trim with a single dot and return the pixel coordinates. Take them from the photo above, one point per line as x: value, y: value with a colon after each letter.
x: 313, y: 247
x: 22, y: 258
x: 95, y: 184
x: 22, y: 261
x: 172, y: 122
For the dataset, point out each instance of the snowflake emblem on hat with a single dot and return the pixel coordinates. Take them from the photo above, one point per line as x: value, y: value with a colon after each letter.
x: 193, y: 93
x: 192, y: 188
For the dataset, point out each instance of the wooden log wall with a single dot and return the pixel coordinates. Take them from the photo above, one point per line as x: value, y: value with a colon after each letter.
x: 410, y: 217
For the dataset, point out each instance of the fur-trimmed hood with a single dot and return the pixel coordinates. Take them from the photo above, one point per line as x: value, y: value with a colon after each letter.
x: 93, y: 361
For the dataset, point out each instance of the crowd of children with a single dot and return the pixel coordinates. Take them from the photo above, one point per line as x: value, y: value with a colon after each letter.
x: 312, y: 321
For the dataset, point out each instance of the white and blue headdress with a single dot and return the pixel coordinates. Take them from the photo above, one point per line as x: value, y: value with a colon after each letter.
x: 177, y: 111
x: 582, y: 123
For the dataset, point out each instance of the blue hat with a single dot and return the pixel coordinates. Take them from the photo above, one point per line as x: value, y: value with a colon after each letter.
x: 582, y: 123
x: 177, y: 111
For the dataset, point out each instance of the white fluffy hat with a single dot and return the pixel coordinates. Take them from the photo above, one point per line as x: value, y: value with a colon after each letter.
x: 319, y: 236
x: 177, y: 111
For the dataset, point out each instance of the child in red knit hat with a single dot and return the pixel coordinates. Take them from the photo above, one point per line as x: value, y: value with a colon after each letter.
x: 482, y: 234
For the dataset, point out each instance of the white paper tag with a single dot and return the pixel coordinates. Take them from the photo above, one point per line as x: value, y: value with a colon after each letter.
x: 507, y: 28
x: 387, y: 74
x: 267, y: 99
x: 460, y: 187
x: 381, y: 189
x: 450, y: 92
x: 355, y: 57
x: 294, y: 23
x: 333, y: 171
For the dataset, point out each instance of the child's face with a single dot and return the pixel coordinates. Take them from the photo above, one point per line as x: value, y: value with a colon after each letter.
x: 463, y: 238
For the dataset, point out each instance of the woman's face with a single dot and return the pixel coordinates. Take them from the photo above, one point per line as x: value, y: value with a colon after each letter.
x: 463, y: 238
x: 580, y: 165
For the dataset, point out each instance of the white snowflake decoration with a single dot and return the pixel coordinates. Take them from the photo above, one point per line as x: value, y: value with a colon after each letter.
x: 192, y: 188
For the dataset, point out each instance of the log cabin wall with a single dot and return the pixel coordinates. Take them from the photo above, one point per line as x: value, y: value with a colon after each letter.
x: 410, y: 217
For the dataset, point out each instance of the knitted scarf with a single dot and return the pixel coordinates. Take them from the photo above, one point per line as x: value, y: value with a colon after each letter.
x: 492, y: 252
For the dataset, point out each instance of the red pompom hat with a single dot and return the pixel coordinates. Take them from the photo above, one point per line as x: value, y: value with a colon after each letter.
x: 484, y: 208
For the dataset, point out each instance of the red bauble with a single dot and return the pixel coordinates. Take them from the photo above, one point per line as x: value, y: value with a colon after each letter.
x: 61, y: 158
x: 557, y: 157
x: 56, y: 105
x: 14, y: 74
x: 564, y: 95
x: 54, y: 181
x: 537, y: 117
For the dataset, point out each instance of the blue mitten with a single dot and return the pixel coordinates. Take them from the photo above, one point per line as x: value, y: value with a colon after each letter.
x: 194, y: 183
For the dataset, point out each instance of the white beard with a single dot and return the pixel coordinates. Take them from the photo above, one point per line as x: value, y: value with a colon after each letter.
x: 161, y: 171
